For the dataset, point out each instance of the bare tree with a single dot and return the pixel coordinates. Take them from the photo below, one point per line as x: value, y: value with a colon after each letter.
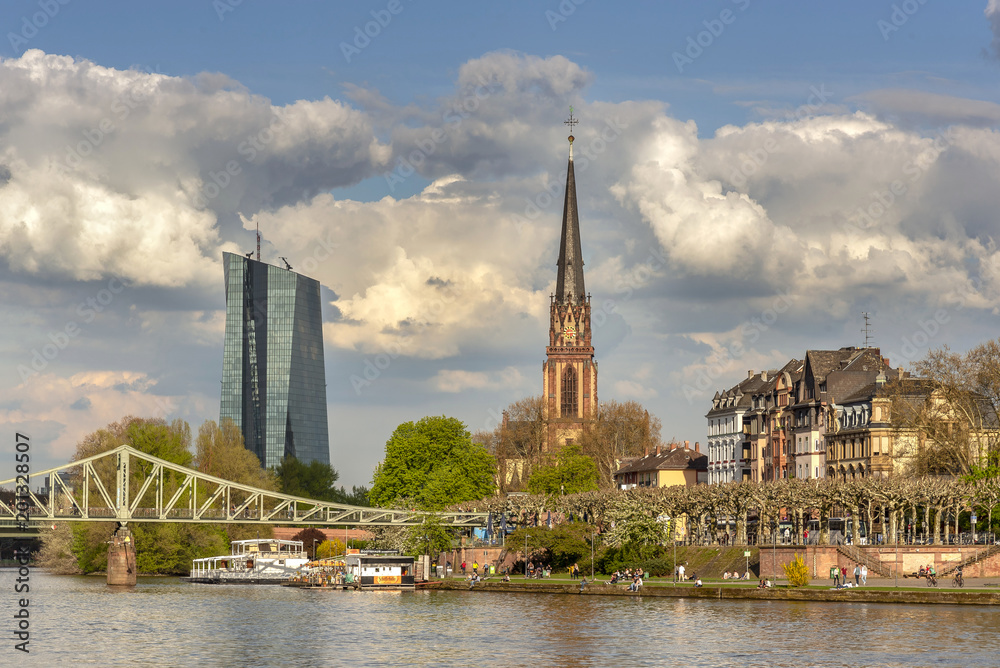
x: 948, y: 415
x: 620, y: 430
x: 517, y: 443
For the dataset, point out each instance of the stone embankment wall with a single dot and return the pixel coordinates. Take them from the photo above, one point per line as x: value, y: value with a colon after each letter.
x: 859, y: 595
x: 906, y: 559
x: 483, y: 555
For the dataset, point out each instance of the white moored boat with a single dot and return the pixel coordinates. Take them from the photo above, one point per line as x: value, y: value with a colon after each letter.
x: 255, y: 561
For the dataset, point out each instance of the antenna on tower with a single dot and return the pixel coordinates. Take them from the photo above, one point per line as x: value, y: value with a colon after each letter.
x: 867, y: 331
x: 258, y: 238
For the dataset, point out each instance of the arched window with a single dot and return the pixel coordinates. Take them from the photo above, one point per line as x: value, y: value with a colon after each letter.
x: 569, y: 392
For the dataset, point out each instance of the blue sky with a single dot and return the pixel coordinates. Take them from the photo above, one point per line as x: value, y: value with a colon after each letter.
x: 687, y: 243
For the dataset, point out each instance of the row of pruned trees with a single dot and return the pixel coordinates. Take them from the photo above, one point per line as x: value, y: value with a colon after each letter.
x: 932, y: 503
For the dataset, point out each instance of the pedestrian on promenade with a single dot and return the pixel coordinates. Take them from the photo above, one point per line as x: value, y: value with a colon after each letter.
x: 475, y: 567
x: 836, y: 577
x: 680, y: 572
x: 857, y: 574
x: 864, y: 575
x: 843, y: 574
x: 463, y: 568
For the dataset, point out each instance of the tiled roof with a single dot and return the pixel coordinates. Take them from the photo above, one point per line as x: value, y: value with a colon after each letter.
x: 678, y: 459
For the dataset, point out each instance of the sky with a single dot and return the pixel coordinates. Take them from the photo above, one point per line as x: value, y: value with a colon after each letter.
x: 752, y: 177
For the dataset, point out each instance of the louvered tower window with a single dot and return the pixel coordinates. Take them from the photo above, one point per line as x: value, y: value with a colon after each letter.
x: 569, y: 392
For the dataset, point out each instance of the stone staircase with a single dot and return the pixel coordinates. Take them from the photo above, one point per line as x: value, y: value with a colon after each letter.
x: 858, y: 555
x: 976, y: 557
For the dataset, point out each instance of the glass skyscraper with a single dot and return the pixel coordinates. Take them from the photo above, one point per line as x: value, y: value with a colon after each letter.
x: 273, y: 378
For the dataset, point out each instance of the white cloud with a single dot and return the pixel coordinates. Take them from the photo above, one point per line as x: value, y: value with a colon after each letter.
x: 631, y: 389
x: 462, y: 270
x: 457, y: 380
x: 107, y: 170
x: 76, y: 405
x: 992, y: 12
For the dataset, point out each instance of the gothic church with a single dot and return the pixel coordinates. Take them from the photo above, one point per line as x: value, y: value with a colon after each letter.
x: 569, y: 373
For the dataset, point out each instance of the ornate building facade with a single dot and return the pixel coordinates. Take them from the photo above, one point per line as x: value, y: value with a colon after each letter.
x: 569, y: 373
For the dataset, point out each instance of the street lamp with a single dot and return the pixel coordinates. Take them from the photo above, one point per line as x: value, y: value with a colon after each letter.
x: 314, y: 549
x: 774, y: 550
x: 593, y: 535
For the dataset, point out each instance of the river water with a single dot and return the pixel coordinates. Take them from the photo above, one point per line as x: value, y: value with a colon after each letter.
x: 164, y: 622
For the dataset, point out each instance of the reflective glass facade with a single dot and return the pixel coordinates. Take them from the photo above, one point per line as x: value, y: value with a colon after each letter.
x: 273, y: 377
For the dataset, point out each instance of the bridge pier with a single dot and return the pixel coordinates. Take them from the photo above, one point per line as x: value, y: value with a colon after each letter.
x: 121, y: 557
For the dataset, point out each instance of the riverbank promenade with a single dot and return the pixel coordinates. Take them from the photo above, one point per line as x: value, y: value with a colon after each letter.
x: 979, y: 591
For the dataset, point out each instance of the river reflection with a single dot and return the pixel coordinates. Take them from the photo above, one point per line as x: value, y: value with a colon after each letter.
x: 163, y: 622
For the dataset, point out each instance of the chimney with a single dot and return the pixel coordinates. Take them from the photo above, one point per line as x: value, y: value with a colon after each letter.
x: 697, y: 446
x: 749, y: 374
x: 645, y: 452
x: 687, y: 445
x: 657, y: 450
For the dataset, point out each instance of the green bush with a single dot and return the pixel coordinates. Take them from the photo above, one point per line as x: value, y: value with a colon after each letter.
x: 653, y: 558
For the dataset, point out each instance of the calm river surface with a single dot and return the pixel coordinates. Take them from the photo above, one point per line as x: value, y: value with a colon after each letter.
x: 164, y: 622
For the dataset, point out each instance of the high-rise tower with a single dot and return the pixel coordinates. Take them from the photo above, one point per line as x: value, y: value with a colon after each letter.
x: 569, y: 372
x: 273, y: 377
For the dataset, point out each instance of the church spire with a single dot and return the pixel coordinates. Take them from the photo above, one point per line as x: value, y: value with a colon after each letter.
x: 569, y: 282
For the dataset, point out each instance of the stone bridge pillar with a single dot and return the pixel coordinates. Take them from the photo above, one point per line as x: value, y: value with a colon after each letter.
x: 121, y: 557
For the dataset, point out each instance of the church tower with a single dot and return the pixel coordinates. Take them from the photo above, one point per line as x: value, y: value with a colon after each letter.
x: 569, y: 373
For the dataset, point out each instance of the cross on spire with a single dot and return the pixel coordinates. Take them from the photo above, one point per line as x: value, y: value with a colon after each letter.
x: 571, y: 121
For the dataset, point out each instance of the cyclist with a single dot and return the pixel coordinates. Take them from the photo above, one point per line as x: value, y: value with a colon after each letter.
x: 959, y: 578
x: 931, y: 576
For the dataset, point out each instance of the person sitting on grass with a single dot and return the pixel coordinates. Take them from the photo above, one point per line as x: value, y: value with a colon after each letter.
x: 746, y: 576
x: 697, y: 582
x: 725, y: 575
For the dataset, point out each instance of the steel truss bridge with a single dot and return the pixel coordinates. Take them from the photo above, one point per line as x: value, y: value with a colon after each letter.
x: 125, y: 485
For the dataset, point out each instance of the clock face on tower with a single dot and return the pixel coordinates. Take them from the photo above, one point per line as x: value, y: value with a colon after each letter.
x: 569, y: 332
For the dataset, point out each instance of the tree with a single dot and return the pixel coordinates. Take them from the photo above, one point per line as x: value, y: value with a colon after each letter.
x: 166, y: 548
x: 429, y: 537
x: 620, y: 430
x: 56, y: 555
x: 561, y: 546
x: 948, y: 416
x: 517, y: 443
x: 358, y: 496
x: 314, y: 480
x: 330, y: 548
x: 432, y: 463
x: 219, y: 451
x: 307, y: 536
x: 570, y: 473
